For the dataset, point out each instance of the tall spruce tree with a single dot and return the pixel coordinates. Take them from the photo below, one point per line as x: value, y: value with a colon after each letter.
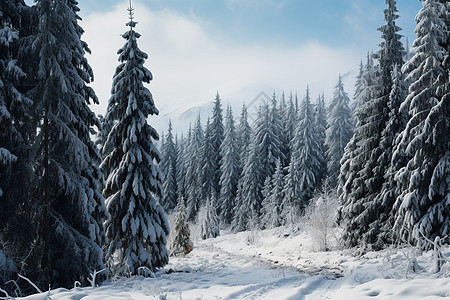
x: 390, y: 54
x: 266, y: 142
x: 288, y: 209
x: 249, y: 194
x: 422, y: 209
x: 353, y: 190
x: 16, y: 136
x: 320, y: 122
x: 244, y: 133
x: 180, y: 166
x: 138, y: 226
x: 276, y: 129
x: 217, y: 136
x: 229, y: 170
x: 208, y: 164
x: 290, y: 119
x: 72, y: 210
x: 271, y: 215
x: 306, y: 156
x: 193, y: 167
x: 169, y: 171
x: 382, y: 226
x: 339, y: 132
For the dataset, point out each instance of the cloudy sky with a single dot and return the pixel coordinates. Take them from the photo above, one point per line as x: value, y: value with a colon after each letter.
x: 238, y: 47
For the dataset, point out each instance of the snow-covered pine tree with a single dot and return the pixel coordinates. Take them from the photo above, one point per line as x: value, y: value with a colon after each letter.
x: 306, y: 156
x: 181, y: 243
x: 339, y: 132
x: 209, y: 221
x: 193, y: 167
x: 276, y: 129
x: 288, y: 211
x: 320, y: 121
x: 390, y: 54
x: 249, y: 197
x: 422, y: 208
x: 382, y: 227
x: 289, y: 122
x: 16, y: 134
x: 267, y: 145
x: 229, y: 170
x: 13, y: 104
x: 180, y: 167
x: 354, y: 171
x: 266, y: 202
x: 347, y: 171
x: 138, y: 226
x: 71, y: 209
x: 244, y: 133
x: 217, y: 136
x: 169, y: 171
x: 208, y: 165
x: 284, y: 139
x: 271, y: 216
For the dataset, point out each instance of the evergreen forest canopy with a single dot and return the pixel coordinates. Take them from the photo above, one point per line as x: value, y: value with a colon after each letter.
x: 71, y: 206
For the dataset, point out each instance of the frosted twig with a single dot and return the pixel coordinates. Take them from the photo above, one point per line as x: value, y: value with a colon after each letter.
x: 8, y: 297
x: 93, y: 277
x: 31, y: 283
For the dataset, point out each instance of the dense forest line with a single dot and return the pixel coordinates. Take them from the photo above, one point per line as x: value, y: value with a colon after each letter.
x: 386, y: 157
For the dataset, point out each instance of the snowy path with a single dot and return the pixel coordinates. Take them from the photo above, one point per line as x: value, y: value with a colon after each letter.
x: 273, y: 267
x: 207, y: 273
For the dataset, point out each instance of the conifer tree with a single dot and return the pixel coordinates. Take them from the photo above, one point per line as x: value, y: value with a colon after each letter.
x: 72, y: 210
x: 217, y: 136
x: 306, y: 157
x: 266, y: 201
x: 180, y: 166
x: 276, y: 129
x: 379, y: 154
x: 244, y: 133
x: 16, y: 135
x: 290, y: 119
x: 355, y: 171
x: 422, y: 210
x: 169, y: 171
x: 391, y: 54
x: 382, y: 227
x: 193, y: 167
x: 266, y: 142
x: 288, y: 210
x: 138, y: 226
x: 320, y: 121
x: 13, y: 104
x: 229, y: 170
x: 249, y: 197
x: 208, y: 164
x: 271, y: 216
x: 339, y: 131
x: 208, y: 218
x: 181, y: 242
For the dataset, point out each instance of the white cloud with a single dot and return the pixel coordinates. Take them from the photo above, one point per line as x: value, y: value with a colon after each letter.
x: 276, y: 4
x: 189, y: 63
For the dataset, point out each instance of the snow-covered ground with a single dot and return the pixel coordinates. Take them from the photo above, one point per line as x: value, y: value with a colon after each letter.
x: 276, y: 264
